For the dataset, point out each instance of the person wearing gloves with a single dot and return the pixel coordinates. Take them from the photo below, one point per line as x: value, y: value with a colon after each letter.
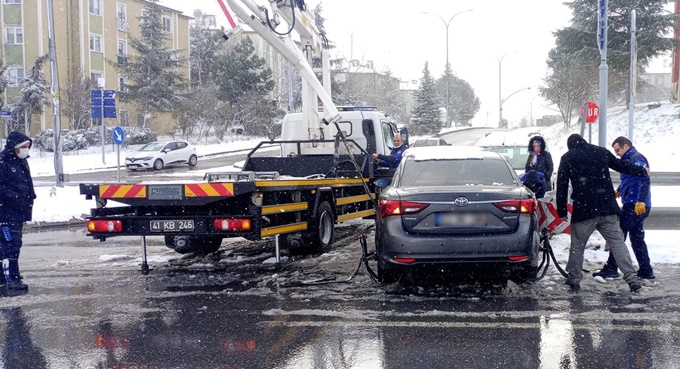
x: 16, y: 205
x: 394, y: 158
x: 587, y: 167
x: 636, y: 198
x: 540, y: 160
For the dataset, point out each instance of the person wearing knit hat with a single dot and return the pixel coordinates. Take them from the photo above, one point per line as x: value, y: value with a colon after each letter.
x: 16, y: 205
x: 587, y: 167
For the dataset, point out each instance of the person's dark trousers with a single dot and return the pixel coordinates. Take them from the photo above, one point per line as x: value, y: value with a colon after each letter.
x: 633, y: 225
x: 10, y: 246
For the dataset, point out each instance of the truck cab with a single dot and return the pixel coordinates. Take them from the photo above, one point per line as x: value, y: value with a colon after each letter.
x: 364, y: 126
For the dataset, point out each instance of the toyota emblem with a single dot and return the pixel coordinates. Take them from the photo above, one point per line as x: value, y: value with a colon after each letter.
x: 461, y: 201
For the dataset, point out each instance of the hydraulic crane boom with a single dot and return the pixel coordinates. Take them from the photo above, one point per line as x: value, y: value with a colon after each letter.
x: 311, y: 42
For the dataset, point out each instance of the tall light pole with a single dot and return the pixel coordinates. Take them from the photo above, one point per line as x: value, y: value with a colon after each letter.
x: 509, y: 96
x: 500, y: 101
x: 446, y: 77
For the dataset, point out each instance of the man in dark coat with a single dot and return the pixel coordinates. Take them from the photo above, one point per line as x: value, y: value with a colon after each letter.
x: 16, y: 204
x: 587, y: 166
x: 637, y: 203
x: 540, y: 160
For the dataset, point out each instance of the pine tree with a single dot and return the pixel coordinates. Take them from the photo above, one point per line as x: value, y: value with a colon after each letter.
x: 152, y: 78
x: 426, y: 114
x: 3, y: 83
x: 463, y: 102
x: 33, y: 90
x: 76, y: 102
x: 245, y: 82
x: 654, y: 24
x: 205, y: 42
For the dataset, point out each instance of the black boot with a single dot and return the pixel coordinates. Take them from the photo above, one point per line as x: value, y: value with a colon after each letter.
x: 16, y: 285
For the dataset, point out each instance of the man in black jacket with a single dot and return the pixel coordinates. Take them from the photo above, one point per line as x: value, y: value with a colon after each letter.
x: 587, y: 166
x: 16, y: 204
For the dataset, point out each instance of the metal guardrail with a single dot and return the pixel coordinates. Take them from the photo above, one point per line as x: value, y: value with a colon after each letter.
x: 657, y: 178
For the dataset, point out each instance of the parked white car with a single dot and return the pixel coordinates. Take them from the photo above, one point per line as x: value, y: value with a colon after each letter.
x: 157, y: 155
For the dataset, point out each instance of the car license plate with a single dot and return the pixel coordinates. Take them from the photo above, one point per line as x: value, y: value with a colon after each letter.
x: 458, y: 220
x: 172, y: 226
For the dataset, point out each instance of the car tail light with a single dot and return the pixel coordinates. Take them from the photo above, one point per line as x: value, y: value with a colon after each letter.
x: 404, y: 260
x: 526, y: 206
x: 232, y: 224
x: 103, y: 341
x: 395, y: 207
x: 518, y: 258
x: 109, y: 226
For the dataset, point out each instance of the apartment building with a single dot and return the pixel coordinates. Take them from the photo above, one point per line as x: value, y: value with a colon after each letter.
x: 89, y: 34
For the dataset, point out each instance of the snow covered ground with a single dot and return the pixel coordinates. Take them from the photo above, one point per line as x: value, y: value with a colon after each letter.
x: 656, y: 133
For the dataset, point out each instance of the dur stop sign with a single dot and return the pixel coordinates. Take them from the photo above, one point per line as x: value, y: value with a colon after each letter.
x: 592, y: 111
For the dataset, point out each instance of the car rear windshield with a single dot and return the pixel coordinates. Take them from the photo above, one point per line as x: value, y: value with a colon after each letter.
x: 458, y: 172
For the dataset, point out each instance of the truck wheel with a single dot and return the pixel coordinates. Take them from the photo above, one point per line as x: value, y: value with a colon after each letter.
x: 193, y: 160
x: 324, y: 228
x: 158, y: 164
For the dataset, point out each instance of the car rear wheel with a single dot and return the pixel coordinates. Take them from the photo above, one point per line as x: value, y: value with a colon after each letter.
x: 193, y: 160
x: 158, y: 164
x: 387, y: 275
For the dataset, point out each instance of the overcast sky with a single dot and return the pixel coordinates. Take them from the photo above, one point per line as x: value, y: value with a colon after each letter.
x: 400, y: 38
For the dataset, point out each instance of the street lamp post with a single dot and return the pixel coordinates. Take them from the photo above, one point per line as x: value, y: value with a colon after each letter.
x: 446, y: 25
x: 500, y: 101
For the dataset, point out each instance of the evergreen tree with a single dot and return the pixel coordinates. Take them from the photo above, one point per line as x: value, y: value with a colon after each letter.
x: 205, y: 42
x: 3, y: 83
x: 463, y: 102
x: 245, y: 82
x: 33, y: 90
x: 152, y: 78
x: 426, y: 113
x: 654, y: 25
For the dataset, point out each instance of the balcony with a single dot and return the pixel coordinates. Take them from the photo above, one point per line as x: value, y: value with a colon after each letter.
x: 122, y: 59
x: 122, y: 24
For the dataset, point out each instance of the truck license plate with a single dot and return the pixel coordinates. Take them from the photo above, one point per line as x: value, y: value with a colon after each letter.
x: 172, y: 226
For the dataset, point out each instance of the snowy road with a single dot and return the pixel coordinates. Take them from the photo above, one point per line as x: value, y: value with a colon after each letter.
x: 89, y: 306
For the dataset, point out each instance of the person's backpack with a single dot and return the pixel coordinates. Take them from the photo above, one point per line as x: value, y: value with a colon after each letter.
x: 535, y: 181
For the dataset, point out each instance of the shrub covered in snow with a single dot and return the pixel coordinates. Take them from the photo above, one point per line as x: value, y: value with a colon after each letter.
x: 83, y: 138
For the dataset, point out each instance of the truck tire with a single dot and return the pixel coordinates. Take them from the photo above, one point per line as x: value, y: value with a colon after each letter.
x: 190, y: 244
x: 324, y: 228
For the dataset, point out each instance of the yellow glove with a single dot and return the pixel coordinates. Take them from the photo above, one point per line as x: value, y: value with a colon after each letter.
x: 617, y: 193
x: 640, y: 208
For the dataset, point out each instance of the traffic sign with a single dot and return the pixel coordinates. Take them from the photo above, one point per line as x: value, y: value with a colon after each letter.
x: 592, y: 111
x: 5, y: 114
x: 118, y: 135
x: 103, y: 103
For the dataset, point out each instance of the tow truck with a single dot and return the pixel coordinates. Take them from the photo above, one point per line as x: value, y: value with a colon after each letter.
x: 324, y: 175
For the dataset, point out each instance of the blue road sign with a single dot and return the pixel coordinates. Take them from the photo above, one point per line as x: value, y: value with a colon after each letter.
x: 118, y: 135
x: 5, y: 114
x: 103, y: 104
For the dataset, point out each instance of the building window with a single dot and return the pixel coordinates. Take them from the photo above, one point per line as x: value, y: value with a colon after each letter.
x: 96, y: 7
x: 11, y: 1
x: 15, y: 75
x: 96, y: 43
x: 122, y: 47
x: 167, y: 24
x: 14, y: 35
x: 124, y: 118
x: 121, y: 11
x: 97, y: 79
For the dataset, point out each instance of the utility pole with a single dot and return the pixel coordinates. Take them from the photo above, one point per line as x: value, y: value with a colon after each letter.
x: 602, y: 15
x: 56, y: 119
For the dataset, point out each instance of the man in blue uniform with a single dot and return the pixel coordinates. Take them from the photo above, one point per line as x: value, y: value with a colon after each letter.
x: 637, y: 203
x: 394, y: 158
x: 16, y: 204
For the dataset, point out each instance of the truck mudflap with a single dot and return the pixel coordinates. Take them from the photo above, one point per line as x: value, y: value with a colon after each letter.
x: 170, y: 193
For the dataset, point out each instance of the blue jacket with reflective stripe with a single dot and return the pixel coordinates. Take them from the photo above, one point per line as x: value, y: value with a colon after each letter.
x: 635, y: 189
